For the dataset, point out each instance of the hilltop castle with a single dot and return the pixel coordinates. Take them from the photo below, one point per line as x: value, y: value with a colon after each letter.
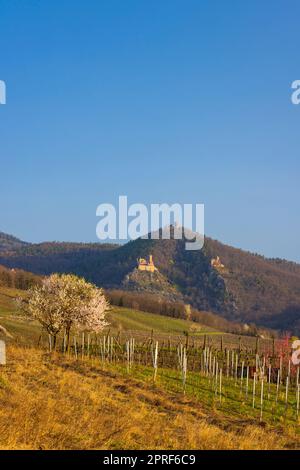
x: 216, y: 263
x: 144, y: 265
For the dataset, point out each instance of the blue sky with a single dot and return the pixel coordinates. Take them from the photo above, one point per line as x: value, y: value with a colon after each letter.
x: 163, y: 101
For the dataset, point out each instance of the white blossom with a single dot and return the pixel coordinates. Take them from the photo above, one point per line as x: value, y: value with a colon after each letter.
x: 64, y: 302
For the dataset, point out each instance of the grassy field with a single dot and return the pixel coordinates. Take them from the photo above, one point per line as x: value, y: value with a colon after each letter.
x: 23, y: 330
x: 119, y: 318
x: 135, y: 320
x: 60, y: 403
x: 55, y: 401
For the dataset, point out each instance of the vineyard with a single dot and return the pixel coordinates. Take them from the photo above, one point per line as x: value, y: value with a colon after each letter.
x: 245, y: 380
x: 260, y: 382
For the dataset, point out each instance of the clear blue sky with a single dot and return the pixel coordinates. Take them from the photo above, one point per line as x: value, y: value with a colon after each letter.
x: 164, y: 101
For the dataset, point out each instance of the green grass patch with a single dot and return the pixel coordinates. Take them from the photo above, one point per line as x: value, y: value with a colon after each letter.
x: 234, y: 401
x: 130, y: 319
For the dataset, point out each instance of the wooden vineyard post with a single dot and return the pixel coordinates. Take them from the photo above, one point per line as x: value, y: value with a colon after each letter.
x: 286, y: 395
x: 254, y: 384
x: 261, y: 396
x: 130, y: 353
x: 216, y: 378
x: 220, y: 384
x: 212, y: 374
x: 297, y: 401
x: 2, y: 353
x: 277, y: 386
x: 236, y: 368
x: 182, y: 360
x: 227, y: 364
x: 184, y: 369
x: 280, y: 369
x: 256, y: 363
x: 269, y: 381
x: 242, y: 375
x: 101, y: 350
x: 112, y: 349
x: 155, y: 357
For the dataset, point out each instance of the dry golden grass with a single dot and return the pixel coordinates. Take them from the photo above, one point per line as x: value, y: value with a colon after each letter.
x: 63, y: 404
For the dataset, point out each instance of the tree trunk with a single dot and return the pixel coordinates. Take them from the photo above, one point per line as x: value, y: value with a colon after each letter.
x: 68, y: 330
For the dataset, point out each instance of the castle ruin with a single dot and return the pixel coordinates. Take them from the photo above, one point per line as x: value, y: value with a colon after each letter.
x: 216, y: 263
x: 144, y: 265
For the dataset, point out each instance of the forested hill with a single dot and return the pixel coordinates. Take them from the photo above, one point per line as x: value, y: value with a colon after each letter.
x: 9, y: 242
x: 250, y: 288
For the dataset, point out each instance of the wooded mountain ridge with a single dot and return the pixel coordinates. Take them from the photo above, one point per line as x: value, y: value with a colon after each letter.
x: 250, y: 288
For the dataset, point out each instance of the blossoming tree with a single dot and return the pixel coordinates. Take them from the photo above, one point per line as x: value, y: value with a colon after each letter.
x: 66, y: 302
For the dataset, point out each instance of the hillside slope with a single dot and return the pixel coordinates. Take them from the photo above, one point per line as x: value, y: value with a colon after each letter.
x: 120, y: 319
x: 54, y: 403
x: 153, y: 283
x: 250, y: 288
